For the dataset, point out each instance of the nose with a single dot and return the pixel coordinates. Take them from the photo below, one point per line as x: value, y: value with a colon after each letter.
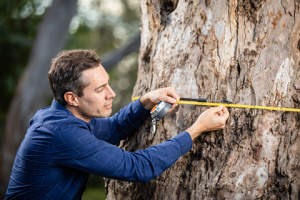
x: 110, y: 93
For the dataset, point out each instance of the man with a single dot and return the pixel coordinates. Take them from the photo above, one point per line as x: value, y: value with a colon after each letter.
x: 75, y: 137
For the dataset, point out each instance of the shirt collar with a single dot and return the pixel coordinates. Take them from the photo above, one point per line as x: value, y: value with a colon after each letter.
x: 57, y: 106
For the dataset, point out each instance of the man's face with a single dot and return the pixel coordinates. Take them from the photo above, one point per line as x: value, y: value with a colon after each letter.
x: 97, y: 96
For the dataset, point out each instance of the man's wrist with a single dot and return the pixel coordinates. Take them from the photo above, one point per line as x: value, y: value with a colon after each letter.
x: 146, y: 102
x: 194, y: 132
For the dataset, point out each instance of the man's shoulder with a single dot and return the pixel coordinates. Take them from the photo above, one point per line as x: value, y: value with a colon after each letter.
x: 54, y: 119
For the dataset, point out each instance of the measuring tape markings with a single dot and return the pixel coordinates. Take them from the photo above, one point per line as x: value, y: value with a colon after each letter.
x: 233, y: 105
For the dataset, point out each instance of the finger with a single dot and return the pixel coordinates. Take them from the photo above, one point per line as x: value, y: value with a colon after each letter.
x: 173, y: 107
x: 219, y: 113
x: 217, y: 109
x: 168, y: 99
x: 171, y: 92
x: 225, y: 110
x: 225, y: 113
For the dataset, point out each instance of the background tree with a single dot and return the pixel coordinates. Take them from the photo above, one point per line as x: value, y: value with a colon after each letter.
x: 32, y: 90
x: 245, y: 51
x: 18, y: 25
x: 109, y: 27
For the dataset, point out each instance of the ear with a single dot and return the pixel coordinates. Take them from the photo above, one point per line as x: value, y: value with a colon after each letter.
x: 71, y: 99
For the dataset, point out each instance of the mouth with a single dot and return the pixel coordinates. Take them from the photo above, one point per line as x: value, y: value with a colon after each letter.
x: 108, y: 105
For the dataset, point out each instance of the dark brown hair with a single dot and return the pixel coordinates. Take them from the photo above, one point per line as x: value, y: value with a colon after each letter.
x: 66, y: 70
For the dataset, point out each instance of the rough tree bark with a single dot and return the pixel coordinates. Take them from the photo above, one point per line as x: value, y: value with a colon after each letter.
x: 33, y: 91
x: 245, y: 51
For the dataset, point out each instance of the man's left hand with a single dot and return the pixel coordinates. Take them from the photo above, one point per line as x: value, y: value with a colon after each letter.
x: 164, y: 94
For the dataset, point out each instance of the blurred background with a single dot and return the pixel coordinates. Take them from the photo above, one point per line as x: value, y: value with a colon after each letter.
x: 111, y: 27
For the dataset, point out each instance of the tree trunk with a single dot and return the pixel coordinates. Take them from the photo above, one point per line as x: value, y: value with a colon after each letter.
x: 244, y: 51
x: 33, y: 91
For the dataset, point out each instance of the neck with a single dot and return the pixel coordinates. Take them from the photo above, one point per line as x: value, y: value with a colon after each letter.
x: 74, y: 110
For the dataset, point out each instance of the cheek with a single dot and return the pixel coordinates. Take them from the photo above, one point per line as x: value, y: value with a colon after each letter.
x: 96, y: 99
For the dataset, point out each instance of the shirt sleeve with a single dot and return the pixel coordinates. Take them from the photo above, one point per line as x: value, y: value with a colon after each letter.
x: 122, y: 124
x: 78, y: 148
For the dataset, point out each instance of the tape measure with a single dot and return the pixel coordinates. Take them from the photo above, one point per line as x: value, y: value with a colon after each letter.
x: 233, y: 105
x: 162, y: 108
x: 158, y: 112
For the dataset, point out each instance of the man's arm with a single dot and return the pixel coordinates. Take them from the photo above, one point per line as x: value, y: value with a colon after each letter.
x: 78, y: 149
x: 121, y: 125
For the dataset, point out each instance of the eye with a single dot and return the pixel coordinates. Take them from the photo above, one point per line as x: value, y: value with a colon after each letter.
x: 99, y: 90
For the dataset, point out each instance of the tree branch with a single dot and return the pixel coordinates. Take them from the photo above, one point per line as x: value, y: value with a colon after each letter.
x: 113, y: 58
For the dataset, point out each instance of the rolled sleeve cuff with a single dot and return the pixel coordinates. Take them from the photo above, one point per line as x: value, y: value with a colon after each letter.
x: 139, y: 110
x: 185, y: 141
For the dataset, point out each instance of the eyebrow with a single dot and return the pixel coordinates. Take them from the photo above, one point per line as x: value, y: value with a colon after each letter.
x: 102, y: 85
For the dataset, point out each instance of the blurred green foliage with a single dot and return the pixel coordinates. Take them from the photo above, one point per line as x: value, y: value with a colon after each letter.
x: 101, y: 25
x: 95, y: 189
x: 94, y: 194
x: 18, y: 27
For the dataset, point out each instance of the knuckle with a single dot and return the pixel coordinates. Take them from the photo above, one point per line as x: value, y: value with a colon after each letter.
x: 223, y: 121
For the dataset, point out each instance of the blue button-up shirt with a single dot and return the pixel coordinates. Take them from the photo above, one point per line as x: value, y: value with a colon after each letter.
x: 59, y: 152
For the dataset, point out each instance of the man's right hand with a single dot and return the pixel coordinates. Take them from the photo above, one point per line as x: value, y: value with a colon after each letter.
x: 210, y: 120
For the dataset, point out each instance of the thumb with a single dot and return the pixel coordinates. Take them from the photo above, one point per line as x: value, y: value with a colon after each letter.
x: 218, y: 109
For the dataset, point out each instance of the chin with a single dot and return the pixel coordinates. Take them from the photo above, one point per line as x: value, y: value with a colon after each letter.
x: 106, y: 113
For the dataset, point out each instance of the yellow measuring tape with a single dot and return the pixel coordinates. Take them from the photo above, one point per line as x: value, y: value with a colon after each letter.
x: 233, y: 105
